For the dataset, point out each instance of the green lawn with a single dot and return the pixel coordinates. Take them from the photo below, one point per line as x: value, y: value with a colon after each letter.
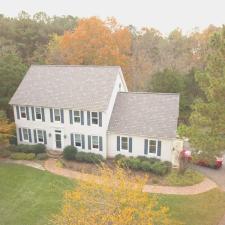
x: 29, y: 197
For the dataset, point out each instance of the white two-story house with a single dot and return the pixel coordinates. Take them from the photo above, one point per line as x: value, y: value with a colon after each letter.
x: 90, y: 107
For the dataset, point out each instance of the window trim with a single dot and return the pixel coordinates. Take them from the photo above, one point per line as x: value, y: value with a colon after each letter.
x: 42, y: 136
x: 77, y: 116
x: 127, y: 143
x: 24, y: 112
x: 36, y: 113
x: 156, y: 147
x: 92, y: 142
x: 80, y: 140
x: 27, y: 134
x: 95, y: 124
x: 58, y: 121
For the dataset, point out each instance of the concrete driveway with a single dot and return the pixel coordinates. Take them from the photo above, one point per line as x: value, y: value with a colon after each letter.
x: 217, y: 175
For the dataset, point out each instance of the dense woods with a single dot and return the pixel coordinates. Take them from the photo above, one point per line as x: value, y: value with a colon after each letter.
x: 184, y: 63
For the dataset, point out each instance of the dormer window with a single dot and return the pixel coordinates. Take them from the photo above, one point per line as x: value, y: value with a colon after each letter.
x: 94, y: 118
x: 23, y: 112
x: 77, y: 116
x: 57, y: 116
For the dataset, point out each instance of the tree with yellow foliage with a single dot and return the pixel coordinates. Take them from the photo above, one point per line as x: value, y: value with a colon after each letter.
x: 93, y: 42
x: 114, y: 198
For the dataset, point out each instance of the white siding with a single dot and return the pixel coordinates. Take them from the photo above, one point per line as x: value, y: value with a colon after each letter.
x: 138, y: 147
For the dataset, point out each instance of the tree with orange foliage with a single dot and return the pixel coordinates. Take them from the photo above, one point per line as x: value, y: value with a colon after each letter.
x: 114, y: 198
x: 93, y: 42
x: 6, y: 129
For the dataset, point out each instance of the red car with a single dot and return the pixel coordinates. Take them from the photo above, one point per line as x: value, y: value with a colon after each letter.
x: 216, y: 163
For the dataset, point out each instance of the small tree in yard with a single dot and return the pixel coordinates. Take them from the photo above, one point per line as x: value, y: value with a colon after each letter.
x: 114, y: 198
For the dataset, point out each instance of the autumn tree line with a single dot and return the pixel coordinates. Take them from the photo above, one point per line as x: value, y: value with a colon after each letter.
x: 183, y: 63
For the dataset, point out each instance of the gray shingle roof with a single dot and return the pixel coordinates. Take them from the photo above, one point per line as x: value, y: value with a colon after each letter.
x: 145, y: 114
x: 79, y: 87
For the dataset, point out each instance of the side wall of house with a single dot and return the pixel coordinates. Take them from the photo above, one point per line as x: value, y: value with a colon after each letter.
x: 138, y: 147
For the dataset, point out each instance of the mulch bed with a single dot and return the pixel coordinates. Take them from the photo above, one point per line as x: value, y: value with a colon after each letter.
x: 94, y: 169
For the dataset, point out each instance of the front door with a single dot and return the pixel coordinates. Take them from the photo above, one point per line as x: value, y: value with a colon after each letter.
x: 58, y: 139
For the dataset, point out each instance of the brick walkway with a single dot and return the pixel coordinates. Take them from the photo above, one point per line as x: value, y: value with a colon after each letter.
x: 204, y: 186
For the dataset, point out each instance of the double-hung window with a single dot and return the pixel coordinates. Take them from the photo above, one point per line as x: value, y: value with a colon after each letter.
x: 78, y: 141
x: 57, y: 116
x: 77, y: 116
x: 94, y: 118
x: 40, y: 136
x: 152, y: 146
x: 95, y: 142
x: 124, y: 143
x: 38, y: 113
x: 23, y: 113
x: 25, y: 134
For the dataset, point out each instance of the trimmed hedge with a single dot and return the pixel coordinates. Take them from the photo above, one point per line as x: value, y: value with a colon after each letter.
x: 42, y: 156
x: 89, y: 157
x: 22, y: 156
x: 143, y: 163
x: 36, y: 149
x: 69, y: 152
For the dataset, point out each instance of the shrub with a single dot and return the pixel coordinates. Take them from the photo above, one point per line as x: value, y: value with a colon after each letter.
x: 153, y: 165
x: 146, y: 166
x: 69, y: 152
x: 89, y: 157
x: 42, y: 156
x: 13, y: 140
x: 22, y: 148
x: 159, y: 168
x: 22, y: 156
x: 38, y: 148
x: 118, y: 157
x: 4, y: 153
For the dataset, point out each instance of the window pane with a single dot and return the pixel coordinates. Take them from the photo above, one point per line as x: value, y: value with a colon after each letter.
x: 124, y: 143
x: 23, y: 112
x: 38, y: 113
x: 152, y: 146
x: 94, y: 116
x: 94, y: 141
x: 25, y: 134
x: 40, y: 136
x: 78, y: 140
x: 57, y: 114
x: 77, y: 116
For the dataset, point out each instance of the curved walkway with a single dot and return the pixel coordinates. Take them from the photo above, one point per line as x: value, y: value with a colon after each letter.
x: 24, y: 162
x: 204, y: 186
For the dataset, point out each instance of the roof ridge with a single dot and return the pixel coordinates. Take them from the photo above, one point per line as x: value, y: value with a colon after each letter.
x: 150, y: 93
x: 55, y: 65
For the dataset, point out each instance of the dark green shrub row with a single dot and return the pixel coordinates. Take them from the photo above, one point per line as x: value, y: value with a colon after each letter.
x: 71, y: 153
x: 22, y: 156
x: 145, y: 164
x: 89, y: 157
x: 38, y: 148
